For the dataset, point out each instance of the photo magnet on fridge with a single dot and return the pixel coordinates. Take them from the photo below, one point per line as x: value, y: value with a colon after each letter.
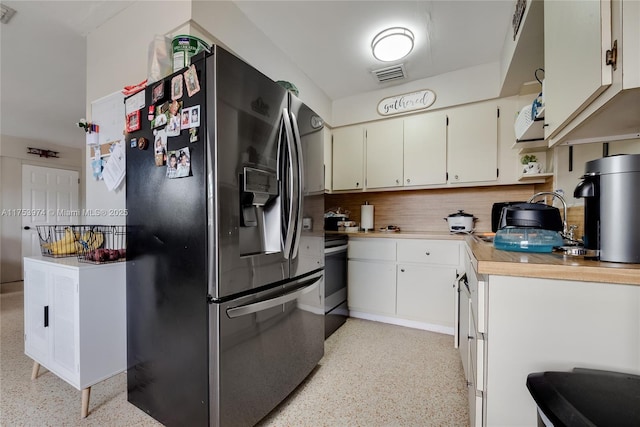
x: 157, y: 92
x: 160, y: 118
x: 160, y: 147
x: 194, y: 116
x: 176, y: 87
x: 133, y: 121
x: 193, y: 135
x: 174, y: 126
x: 191, y: 80
x: 179, y: 165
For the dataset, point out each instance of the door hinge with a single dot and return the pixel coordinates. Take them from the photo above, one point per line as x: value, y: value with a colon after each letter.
x: 447, y: 176
x: 612, y: 55
x: 447, y: 120
x: 498, y: 173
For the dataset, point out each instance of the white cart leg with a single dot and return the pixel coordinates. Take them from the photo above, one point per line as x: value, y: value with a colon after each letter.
x: 85, y: 401
x: 34, y: 371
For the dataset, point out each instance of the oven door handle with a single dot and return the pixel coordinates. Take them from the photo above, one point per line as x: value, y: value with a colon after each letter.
x: 329, y: 251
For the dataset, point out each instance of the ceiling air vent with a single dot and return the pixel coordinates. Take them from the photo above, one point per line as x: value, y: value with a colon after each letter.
x: 6, y: 13
x: 388, y: 74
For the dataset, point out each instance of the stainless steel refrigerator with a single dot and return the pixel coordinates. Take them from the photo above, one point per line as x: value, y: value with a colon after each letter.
x: 225, y: 265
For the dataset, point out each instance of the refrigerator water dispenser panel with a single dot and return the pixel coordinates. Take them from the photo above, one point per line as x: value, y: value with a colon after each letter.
x: 260, y: 212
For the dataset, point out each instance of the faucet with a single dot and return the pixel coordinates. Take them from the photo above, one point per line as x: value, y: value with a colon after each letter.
x: 565, y: 230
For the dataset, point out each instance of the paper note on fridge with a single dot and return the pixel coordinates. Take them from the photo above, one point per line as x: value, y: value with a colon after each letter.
x: 114, y: 170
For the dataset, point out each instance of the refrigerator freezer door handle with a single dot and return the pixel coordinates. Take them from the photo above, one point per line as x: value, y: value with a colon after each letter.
x: 291, y: 217
x: 300, y: 172
x: 243, y: 310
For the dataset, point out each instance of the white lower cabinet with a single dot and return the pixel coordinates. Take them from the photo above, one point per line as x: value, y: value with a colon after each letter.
x: 521, y: 325
x: 372, y: 287
x: 75, y: 320
x: 406, y: 281
x: 424, y: 293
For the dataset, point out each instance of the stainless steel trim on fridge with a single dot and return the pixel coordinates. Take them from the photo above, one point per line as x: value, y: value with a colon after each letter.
x: 267, y: 343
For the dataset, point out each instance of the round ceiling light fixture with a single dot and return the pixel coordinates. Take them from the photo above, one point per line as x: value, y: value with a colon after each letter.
x: 392, y: 44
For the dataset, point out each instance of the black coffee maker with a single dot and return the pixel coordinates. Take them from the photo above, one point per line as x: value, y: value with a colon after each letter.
x: 589, y: 190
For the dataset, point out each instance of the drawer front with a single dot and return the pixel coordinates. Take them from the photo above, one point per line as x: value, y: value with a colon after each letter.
x: 429, y: 252
x: 477, y: 288
x: 476, y: 398
x: 372, y: 249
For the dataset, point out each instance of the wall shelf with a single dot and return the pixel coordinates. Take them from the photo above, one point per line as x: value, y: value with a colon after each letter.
x: 541, y: 177
x: 535, y: 131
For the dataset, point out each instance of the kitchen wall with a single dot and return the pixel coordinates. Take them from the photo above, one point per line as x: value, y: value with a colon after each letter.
x: 13, y: 154
x: 455, y: 88
x: 117, y: 56
x: 424, y: 210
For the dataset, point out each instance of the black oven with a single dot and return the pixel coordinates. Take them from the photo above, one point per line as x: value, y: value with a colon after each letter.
x: 335, y: 283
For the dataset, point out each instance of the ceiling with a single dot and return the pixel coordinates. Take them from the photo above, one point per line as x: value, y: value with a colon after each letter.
x: 43, y: 92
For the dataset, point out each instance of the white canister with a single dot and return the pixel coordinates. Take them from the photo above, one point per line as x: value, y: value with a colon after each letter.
x: 366, y: 216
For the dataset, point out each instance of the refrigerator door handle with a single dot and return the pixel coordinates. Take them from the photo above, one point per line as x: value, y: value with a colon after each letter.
x: 243, y: 310
x: 293, y: 202
x: 300, y: 172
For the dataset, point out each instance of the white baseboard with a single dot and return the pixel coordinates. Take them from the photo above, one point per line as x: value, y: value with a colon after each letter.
x: 402, y: 322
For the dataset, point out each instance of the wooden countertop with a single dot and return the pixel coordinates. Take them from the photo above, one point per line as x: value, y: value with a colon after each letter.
x: 489, y: 260
x: 439, y: 235
x: 549, y: 265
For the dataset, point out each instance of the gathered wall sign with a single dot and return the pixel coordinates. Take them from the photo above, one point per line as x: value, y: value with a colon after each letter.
x: 406, y: 102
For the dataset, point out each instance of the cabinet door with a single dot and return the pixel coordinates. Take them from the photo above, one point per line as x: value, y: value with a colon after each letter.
x: 328, y: 159
x: 472, y: 143
x: 313, y: 148
x: 63, y: 316
x: 425, y: 149
x: 372, y: 287
x: 384, y: 154
x: 425, y: 293
x: 36, y: 313
x: 465, y: 327
x: 348, y: 153
x: 576, y: 37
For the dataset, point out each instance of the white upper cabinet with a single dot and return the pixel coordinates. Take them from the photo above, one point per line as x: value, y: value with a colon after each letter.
x: 472, y: 143
x: 328, y: 158
x: 425, y: 149
x: 384, y: 154
x: 348, y: 158
x: 614, y: 114
x: 577, y: 35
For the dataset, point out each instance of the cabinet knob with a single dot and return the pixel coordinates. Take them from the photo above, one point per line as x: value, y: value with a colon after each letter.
x: 357, y: 184
x: 408, y: 180
x: 26, y: 227
x: 402, y: 269
x: 397, y: 181
x: 469, y: 337
x: 427, y: 253
x: 455, y: 177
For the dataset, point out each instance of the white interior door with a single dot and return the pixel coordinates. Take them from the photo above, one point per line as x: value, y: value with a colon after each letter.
x: 49, y: 197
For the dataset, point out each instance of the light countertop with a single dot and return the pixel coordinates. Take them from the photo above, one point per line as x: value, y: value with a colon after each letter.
x: 439, y: 235
x: 549, y: 265
x: 488, y: 260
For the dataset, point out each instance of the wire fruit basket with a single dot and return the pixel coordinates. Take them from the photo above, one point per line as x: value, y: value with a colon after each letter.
x: 94, y: 244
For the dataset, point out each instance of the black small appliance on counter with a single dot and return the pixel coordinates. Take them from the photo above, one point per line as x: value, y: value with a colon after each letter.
x: 496, y: 211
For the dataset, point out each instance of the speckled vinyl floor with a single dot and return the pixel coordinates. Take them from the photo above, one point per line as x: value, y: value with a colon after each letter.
x: 372, y: 374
